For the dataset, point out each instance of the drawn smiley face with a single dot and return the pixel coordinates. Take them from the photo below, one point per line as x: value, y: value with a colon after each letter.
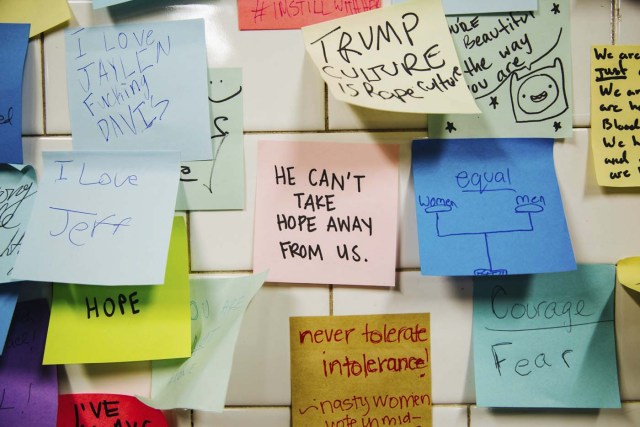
x: 537, y: 93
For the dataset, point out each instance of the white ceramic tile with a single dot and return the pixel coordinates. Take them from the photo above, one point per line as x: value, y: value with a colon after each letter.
x: 628, y: 341
x: 628, y: 30
x: 131, y: 378
x: 261, y: 373
x: 347, y: 116
x: 450, y: 416
x: 244, y: 417
x: 32, y: 148
x: 281, y: 90
x: 32, y: 103
x: 223, y: 240
x: 628, y: 416
x: 450, y: 302
x: 178, y: 418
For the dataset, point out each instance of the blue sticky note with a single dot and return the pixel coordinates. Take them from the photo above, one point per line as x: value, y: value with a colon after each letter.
x: 465, y: 7
x: 14, y: 38
x: 101, y: 218
x: 546, y: 340
x: 140, y: 87
x: 8, y: 299
x: 489, y: 207
x: 99, y: 4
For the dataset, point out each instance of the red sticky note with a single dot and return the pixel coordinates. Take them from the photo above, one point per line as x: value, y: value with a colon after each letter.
x: 106, y: 410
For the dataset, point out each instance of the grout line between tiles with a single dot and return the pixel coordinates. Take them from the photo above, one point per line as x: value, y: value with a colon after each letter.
x: 44, y: 92
x: 615, y: 20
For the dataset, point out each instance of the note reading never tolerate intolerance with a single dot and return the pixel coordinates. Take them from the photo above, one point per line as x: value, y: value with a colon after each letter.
x: 33, y: 12
x: 361, y: 370
x: 98, y: 324
x: 326, y: 212
x: 615, y: 115
x: 139, y: 87
x: 101, y: 218
x: 398, y: 58
x: 200, y: 382
x: 218, y: 183
x: 29, y: 391
x: 15, y: 38
x: 489, y: 207
x: 518, y: 68
x: 546, y: 340
x: 106, y: 410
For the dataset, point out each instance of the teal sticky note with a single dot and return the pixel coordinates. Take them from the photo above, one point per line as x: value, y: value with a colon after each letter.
x: 99, y: 4
x: 101, y: 218
x: 489, y: 207
x: 139, y: 87
x: 518, y: 68
x: 547, y: 340
x: 218, y: 183
x: 466, y: 7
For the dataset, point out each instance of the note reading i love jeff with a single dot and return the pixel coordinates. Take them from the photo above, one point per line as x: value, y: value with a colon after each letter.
x: 139, y: 87
x: 546, y: 340
x: 518, y: 67
x: 101, y: 218
x: 615, y: 115
x: 361, y: 370
x: 106, y: 410
x: 326, y: 212
x: 398, y: 58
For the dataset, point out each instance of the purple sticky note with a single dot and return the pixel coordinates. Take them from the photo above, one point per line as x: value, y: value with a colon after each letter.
x: 28, y: 390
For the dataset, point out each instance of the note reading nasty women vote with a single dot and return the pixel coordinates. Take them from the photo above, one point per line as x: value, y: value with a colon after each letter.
x: 326, y: 212
x: 218, y: 183
x: 101, y: 218
x: 17, y: 194
x: 615, y: 115
x: 546, y: 340
x: 398, y: 58
x: 288, y: 15
x: 124, y: 323
x: 106, y: 410
x: 15, y: 38
x: 489, y: 207
x: 8, y: 299
x: 200, y: 382
x: 518, y: 68
x: 139, y: 87
x: 28, y: 390
x: 372, y: 370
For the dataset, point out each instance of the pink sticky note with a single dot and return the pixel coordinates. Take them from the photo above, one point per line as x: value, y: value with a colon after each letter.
x: 326, y: 213
x: 283, y: 15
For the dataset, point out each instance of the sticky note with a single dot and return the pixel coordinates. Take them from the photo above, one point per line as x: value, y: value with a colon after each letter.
x: 17, y: 194
x: 29, y: 390
x: 15, y: 38
x: 489, y: 207
x: 628, y: 270
x: 99, y: 4
x: 546, y: 340
x: 361, y: 370
x: 466, y: 7
x: 615, y: 107
x: 139, y: 87
x: 106, y: 410
x: 31, y: 12
x: 200, y: 382
x: 326, y: 212
x: 398, y: 58
x: 101, y: 218
x: 8, y: 299
x: 218, y: 183
x: 518, y: 68
x: 280, y: 15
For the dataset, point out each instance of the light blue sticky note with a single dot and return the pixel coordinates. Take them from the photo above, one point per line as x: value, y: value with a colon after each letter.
x: 99, y: 4
x: 8, y: 299
x: 462, y: 7
x: 17, y: 194
x: 200, y: 382
x: 546, y: 340
x: 518, y: 68
x: 489, y: 207
x: 139, y: 87
x: 15, y: 38
x: 101, y: 218
x: 218, y: 183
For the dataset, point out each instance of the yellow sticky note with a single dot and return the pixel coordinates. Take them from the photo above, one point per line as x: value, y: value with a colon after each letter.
x: 615, y: 114
x: 628, y: 272
x: 41, y: 14
x: 98, y: 324
x: 371, y: 370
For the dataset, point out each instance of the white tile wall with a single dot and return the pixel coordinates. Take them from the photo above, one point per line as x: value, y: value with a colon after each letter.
x: 284, y: 99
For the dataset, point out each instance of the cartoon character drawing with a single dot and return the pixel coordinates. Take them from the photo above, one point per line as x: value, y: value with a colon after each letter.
x: 540, y: 94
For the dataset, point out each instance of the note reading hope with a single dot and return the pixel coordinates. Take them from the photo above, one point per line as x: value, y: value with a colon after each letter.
x: 326, y: 212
